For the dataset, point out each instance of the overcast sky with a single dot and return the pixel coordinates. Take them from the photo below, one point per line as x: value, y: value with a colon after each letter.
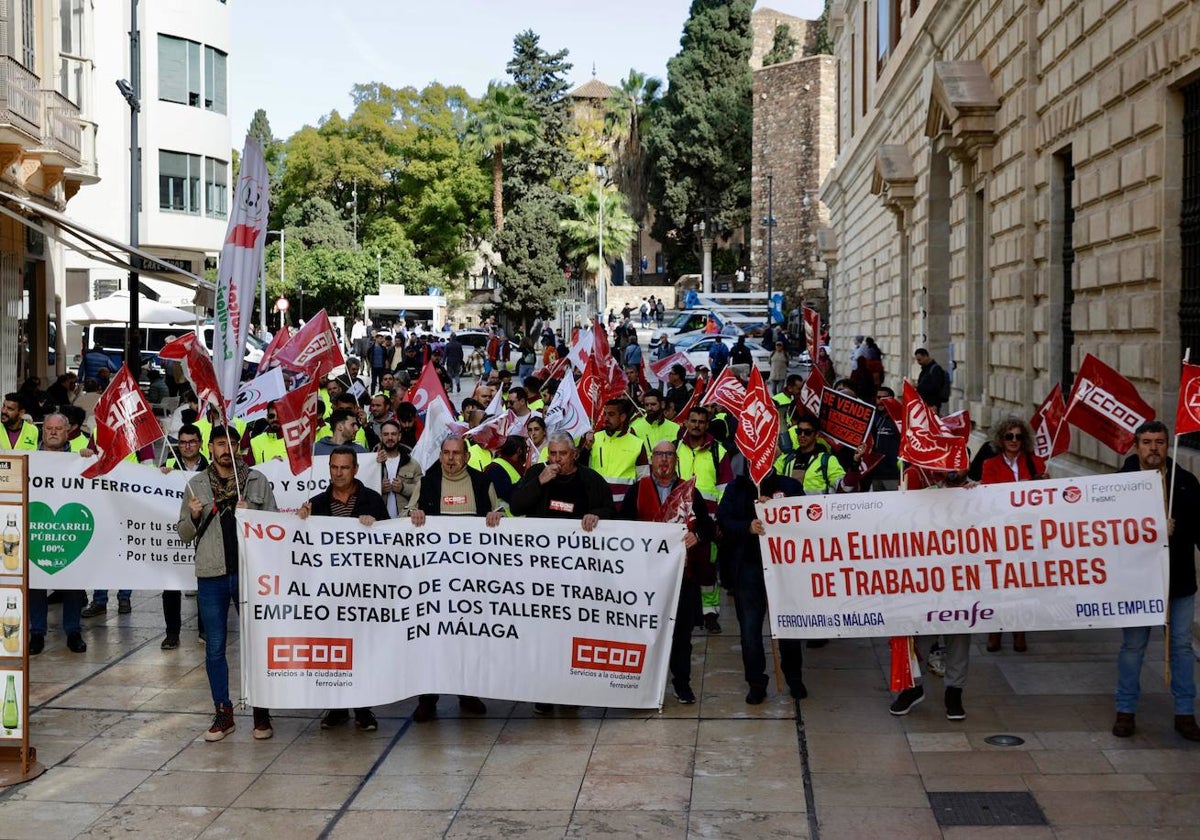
x: 299, y: 58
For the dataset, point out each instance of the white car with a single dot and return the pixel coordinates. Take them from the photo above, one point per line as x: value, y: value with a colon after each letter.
x: 696, y: 348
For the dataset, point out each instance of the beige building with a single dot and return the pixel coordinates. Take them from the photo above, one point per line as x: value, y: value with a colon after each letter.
x: 1017, y: 185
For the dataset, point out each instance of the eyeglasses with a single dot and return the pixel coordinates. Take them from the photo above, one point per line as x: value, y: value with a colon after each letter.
x: 806, y: 431
x: 189, y: 442
x: 1014, y: 436
x: 664, y: 454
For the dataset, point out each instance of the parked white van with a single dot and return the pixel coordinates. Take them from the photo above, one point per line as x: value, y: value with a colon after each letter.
x: 111, y: 338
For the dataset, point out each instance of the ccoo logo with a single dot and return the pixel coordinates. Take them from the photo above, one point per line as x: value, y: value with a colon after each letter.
x: 815, y: 512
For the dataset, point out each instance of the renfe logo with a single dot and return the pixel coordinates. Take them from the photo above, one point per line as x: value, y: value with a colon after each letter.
x: 315, y: 654
x: 607, y: 655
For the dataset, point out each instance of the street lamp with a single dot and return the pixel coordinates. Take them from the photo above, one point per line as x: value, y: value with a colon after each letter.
x: 133, y: 354
x: 769, y: 222
x: 601, y: 282
x: 262, y: 300
x: 706, y: 231
x: 353, y: 203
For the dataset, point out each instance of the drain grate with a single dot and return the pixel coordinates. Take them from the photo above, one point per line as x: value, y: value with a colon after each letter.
x: 984, y: 808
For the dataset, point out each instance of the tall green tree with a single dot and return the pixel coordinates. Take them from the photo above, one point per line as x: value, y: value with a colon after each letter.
x: 783, y: 47
x: 530, y: 277
x: 822, y: 42
x: 586, y: 226
x: 504, y: 119
x: 542, y: 77
x: 630, y: 112
x: 699, y: 145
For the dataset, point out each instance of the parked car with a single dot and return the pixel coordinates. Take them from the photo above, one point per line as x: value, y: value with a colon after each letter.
x: 696, y: 346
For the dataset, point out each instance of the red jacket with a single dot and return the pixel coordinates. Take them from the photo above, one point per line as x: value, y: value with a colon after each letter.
x: 997, y: 471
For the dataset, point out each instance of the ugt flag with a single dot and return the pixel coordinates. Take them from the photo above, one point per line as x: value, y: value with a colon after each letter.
x: 925, y: 441
x: 1051, y: 434
x: 124, y: 423
x: 757, y: 433
x: 1187, y: 415
x: 1105, y: 404
x: 241, y: 260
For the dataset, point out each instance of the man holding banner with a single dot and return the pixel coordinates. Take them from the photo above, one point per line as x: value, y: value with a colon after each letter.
x: 1150, y: 453
x: 206, y: 519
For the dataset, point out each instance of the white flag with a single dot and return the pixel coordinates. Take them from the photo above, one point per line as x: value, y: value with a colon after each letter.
x: 241, y: 260
x: 253, y: 396
x: 439, y: 425
x: 565, y: 412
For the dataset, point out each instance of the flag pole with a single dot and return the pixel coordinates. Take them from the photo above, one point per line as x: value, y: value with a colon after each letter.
x: 236, y: 483
x: 1187, y: 355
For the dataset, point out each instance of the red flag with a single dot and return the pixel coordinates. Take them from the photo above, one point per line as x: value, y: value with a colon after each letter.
x: 958, y: 423
x: 313, y: 349
x: 297, y: 415
x: 924, y: 441
x: 662, y: 367
x: 1105, y: 404
x: 679, y: 506
x: 198, y: 364
x: 810, y: 392
x: 812, y: 332
x: 491, y: 433
x: 278, y: 341
x: 1187, y: 415
x: 1051, y: 435
x: 726, y: 390
x: 600, y: 348
x: 904, y: 663
x: 554, y: 370
x: 590, y: 389
x: 894, y: 409
x: 428, y: 388
x: 125, y: 423
x: 693, y: 401
x: 757, y: 434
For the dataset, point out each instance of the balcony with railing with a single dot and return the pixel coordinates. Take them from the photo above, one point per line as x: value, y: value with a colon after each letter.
x: 20, y: 104
x: 61, y: 130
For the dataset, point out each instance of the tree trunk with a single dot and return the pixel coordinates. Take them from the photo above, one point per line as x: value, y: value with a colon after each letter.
x: 497, y: 183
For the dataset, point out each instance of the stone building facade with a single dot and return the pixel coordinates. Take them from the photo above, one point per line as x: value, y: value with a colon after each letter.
x: 1018, y: 185
x: 763, y: 22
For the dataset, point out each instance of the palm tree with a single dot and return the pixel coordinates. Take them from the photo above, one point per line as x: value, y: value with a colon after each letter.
x: 629, y: 111
x: 587, y: 226
x: 504, y: 118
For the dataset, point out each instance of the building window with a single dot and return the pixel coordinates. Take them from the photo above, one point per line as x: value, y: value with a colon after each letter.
x: 887, y: 33
x: 28, y: 36
x: 179, y: 182
x: 71, y: 62
x: 1189, y: 234
x: 214, y: 80
x: 866, y: 52
x: 216, y: 187
x: 179, y: 70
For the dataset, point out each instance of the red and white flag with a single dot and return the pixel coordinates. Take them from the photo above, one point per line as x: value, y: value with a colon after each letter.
x: 693, y: 402
x: 314, y: 348
x: 679, y: 506
x: 958, y: 423
x: 582, y: 349
x: 188, y: 350
x: 125, y: 423
x: 297, y: 415
x: 812, y: 332
x: 278, y: 341
x: 1051, y: 434
x: 554, y: 370
x: 810, y: 392
x: 439, y: 425
x: 254, y: 396
x: 591, y: 389
x: 428, y: 388
x: 757, y: 433
x: 1105, y: 404
x: 1187, y: 415
x: 924, y: 441
x: 726, y: 390
x: 566, y: 412
x: 241, y: 261
x: 662, y: 367
x: 491, y: 433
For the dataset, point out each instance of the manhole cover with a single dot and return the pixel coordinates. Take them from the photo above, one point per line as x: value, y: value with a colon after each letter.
x: 986, y: 808
x: 1004, y: 740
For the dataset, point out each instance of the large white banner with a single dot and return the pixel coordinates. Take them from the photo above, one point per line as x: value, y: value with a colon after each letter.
x: 1047, y: 555
x: 117, y: 531
x: 341, y: 615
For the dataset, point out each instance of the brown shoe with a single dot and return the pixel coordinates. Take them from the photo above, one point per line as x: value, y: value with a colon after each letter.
x: 1019, y: 642
x: 1186, y: 726
x: 993, y: 642
x: 1123, y: 728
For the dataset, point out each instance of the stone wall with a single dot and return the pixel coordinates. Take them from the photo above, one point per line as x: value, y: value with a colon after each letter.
x: 762, y: 25
x: 795, y: 144
x: 1083, y: 86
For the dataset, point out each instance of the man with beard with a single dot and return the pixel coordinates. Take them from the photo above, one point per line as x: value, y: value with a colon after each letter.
x: 379, y: 411
x: 19, y: 435
x: 343, y: 429
x: 346, y: 496
x: 399, y: 474
x: 615, y: 452
x: 207, y: 519
x: 451, y: 488
x: 410, y: 424
x: 654, y: 427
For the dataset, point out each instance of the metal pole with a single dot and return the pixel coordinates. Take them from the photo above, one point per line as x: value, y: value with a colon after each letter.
x: 601, y: 283
x: 133, y: 357
x: 283, y: 262
x: 770, y: 242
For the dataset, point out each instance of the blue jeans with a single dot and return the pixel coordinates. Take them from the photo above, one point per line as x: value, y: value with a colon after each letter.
x: 100, y: 596
x: 213, y: 597
x: 1133, y: 651
x: 750, y: 601
x: 72, y: 603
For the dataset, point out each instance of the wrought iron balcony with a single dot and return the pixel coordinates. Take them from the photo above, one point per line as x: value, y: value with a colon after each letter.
x: 20, y: 104
x: 61, y: 131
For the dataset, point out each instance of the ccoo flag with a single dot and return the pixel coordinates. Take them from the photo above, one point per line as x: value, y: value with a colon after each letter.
x: 241, y: 260
x: 1105, y: 404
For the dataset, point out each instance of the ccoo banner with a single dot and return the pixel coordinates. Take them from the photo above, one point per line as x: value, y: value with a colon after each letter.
x: 341, y: 615
x: 118, y: 530
x: 1049, y: 555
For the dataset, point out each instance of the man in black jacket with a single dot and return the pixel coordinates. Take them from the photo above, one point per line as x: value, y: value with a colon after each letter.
x: 347, y: 496
x: 933, y: 385
x: 741, y: 526
x: 1183, y: 539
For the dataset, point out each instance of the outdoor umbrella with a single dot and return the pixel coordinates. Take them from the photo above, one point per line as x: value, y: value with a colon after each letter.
x: 114, y: 309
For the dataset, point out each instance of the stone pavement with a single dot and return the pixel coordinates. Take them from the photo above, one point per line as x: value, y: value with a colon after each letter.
x: 120, y: 730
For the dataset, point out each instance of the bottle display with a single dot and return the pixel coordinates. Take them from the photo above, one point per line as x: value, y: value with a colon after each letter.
x: 10, y: 545
x: 10, y: 624
x: 10, y: 714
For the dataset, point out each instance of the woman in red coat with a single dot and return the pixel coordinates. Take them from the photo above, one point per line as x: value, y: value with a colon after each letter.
x: 1012, y: 440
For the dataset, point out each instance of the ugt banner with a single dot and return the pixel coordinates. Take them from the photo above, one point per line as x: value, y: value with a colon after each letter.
x: 1049, y: 555
x: 118, y: 530
x: 341, y: 615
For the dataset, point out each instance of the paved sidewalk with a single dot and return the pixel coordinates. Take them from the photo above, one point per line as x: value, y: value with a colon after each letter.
x: 120, y: 729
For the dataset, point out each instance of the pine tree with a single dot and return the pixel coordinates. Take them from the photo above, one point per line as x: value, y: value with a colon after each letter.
x: 530, y: 277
